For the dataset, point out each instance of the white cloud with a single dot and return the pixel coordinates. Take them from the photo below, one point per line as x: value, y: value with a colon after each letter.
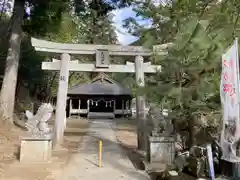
x: 6, y: 6
x: 158, y: 2
x: 119, y: 16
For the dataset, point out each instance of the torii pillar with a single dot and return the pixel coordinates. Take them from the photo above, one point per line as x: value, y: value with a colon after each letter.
x: 60, y: 119
x: 140, y: 104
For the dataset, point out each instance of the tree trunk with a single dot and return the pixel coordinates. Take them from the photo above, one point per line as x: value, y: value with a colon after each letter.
x: 7, y: 96
x: 18, y: 88
x: 192, y: 133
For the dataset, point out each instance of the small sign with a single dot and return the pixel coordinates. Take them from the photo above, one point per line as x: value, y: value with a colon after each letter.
x: 102, y: 58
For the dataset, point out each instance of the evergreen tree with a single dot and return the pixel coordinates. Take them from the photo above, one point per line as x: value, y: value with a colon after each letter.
x: 189, y: 82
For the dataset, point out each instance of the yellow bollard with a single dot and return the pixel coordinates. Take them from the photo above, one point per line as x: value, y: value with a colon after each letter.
x: 100, y: 153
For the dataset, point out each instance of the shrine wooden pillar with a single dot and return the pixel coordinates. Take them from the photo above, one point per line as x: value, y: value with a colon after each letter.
x: 88, y: 105
x: 114, y: 106
x: 70, y: 107
x: 79, y: 104
x: 122, y: 107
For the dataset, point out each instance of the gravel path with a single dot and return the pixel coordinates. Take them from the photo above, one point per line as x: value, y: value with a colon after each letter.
x: 116, y: 165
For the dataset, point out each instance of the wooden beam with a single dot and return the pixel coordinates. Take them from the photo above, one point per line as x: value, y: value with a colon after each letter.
x: 90, y: 49
x: 74, y: 66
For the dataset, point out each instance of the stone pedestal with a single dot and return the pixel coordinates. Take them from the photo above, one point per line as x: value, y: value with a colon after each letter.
x: 34, y: 150
x: 161, y: 150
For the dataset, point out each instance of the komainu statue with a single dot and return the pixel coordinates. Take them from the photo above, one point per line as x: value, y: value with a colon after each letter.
x: 160, y: 124
x: 37, y: 124
x: 230, y: 141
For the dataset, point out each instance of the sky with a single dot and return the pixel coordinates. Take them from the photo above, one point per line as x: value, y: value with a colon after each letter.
x: 120, y: 15
x: 7, y: 6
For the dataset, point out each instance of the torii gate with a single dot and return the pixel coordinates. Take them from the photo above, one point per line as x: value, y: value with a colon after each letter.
x: 102, y: 52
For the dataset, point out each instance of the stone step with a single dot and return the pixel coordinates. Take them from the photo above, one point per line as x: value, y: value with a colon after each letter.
x: 96, y: 115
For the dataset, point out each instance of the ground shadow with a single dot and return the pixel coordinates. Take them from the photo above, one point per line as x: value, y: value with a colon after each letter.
x: 17, y: 153
x: 128, y: 130
x: 69, y: 134
x: 95, y: 164
x: 20, y: 124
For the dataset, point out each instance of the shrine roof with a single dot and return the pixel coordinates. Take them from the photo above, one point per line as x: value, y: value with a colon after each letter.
x: 100, y: 85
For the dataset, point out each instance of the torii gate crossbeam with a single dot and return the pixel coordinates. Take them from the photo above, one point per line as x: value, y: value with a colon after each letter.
x: 84, y: 67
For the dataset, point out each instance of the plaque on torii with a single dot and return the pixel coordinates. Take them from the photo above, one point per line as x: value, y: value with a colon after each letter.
x: 102, y: 58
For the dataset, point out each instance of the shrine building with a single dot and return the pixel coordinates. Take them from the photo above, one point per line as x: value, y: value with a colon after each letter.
x: 102, y: 97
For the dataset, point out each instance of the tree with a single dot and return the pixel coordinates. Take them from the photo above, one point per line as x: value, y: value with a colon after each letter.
x: 193, y: 80
x: 200, y: 32
x: 7, y: 96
